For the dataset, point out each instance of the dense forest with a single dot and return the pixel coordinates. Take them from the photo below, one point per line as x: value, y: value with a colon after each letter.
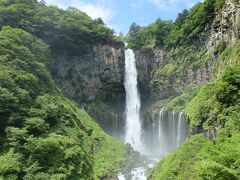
x: 68, y: 30
x: 47, y: 134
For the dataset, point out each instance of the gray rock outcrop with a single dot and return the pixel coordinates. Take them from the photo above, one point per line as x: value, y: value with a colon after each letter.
x: 97, y: 75
x: 96, y: 82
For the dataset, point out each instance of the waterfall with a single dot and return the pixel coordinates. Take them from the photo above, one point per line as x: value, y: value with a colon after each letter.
x: 133, y: 103
x: 161, y: 132
x: 167, y: 131
x: 180, y: 119
x: 173, y: 129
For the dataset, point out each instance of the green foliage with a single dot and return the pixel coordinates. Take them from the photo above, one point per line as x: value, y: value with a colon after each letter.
x: 218, y: 5
x: 20, y: 74
x: 213, y: 98
x: 199, y: 158
x: 43, y: 134
x: 10, y: 165
x: 216, y: 104
x: 211, y: 170
x: 185, y: 29
x: 58, y: 155
x: 36, y: 126
x: 220, y: 159
x: 179, y: 164
x: 228, y: 57
x: 70, y: 31
x: 148, y: 37
x: 204, y: 105
x: 179, y: 103
x: 15, y: 137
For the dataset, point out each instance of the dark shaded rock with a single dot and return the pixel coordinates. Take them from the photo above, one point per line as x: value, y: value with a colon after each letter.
x: 146, y: 61
x: 96, y: 82
x: 97, y: 75
x: 211, y: 134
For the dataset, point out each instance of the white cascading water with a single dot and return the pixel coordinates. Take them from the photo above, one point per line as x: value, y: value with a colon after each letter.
x: 160, y: 133
x: 180, y: 119
x: 173, y: 128
x: 133, y: 103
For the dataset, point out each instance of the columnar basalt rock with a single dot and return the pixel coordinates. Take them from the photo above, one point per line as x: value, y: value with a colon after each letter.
x: 96, y: 82
x: 225, y: 25
x: 97, y: 75
x: 146, y: 61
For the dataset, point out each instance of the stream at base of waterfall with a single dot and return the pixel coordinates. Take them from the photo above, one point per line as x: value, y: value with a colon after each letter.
x: 167, y: 131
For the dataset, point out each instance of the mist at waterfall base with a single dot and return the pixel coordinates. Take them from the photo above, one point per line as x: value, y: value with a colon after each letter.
x: 162, y: 132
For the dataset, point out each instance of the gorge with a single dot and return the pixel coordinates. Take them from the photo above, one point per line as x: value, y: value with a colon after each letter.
x: 166, y: 132
x: 77, y: 102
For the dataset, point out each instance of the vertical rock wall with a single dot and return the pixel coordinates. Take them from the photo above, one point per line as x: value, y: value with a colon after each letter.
x: 96, y: 82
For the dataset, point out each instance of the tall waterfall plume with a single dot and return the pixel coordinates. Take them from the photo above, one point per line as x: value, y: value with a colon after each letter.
x: 133, y: 103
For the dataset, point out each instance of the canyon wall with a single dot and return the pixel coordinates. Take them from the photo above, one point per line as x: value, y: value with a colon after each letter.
x: 223, y: 29
x: 97, y: 75
x: 95, y: 81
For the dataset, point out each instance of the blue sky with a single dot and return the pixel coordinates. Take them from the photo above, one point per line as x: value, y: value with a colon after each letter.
x: 119, y: 14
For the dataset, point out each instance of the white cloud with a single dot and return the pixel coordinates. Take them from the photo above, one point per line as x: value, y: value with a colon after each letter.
x: 173, y: 5
x: 94, y: 10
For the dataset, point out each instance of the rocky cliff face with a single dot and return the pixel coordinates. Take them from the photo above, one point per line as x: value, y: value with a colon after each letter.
x: 224, y: 28
x: 146, y: 61
x: 97, y: 77
x: 225, y: 25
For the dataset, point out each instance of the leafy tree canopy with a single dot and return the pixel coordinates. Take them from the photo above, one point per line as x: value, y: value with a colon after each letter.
x: 70, y: 31
x: 168, y: 35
